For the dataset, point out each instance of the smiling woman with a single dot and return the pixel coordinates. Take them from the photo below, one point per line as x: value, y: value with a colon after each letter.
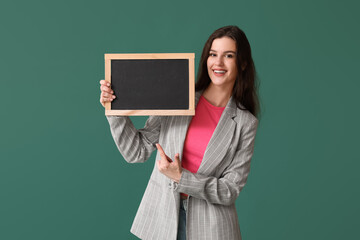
x: 202, y: 161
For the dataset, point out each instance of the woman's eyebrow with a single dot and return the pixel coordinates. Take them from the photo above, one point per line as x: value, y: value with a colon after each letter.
x: 211, y: 50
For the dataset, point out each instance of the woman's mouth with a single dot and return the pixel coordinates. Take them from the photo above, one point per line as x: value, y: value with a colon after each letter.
x: 219, y: 72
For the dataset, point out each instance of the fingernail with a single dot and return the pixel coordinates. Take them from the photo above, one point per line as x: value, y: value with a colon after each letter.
x: 108, y: 84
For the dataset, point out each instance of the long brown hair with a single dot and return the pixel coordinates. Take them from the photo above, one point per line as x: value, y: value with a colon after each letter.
x: 246, y: 85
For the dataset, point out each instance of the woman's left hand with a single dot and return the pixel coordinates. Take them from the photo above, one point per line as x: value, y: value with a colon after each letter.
x: 171, y: 169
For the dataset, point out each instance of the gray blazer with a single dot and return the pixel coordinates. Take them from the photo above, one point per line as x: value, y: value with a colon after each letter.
x: 212, y: 190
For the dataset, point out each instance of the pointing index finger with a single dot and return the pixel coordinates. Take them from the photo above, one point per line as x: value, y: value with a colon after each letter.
x: 161, y: 151
x: 163, y: 154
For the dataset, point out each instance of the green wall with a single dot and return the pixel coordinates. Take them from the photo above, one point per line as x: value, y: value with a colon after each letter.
x: 61, y: 176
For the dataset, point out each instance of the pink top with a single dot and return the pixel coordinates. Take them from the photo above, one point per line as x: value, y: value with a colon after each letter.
x: 199, y: 133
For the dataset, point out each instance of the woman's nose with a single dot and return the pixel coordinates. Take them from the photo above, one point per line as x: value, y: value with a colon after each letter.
x: 219, y: 61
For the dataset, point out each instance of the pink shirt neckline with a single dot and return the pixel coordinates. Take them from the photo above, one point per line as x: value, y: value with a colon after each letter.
x: 210, y: 105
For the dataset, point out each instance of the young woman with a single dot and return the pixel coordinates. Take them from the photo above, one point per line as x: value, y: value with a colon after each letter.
x: 203, y: 161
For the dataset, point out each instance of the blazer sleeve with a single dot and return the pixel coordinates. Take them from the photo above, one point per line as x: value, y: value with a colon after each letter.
x: 135, y: 145
x: 225, y: 189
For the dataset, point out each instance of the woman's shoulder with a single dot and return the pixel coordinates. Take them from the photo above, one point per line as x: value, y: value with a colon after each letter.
x: 245, y: 117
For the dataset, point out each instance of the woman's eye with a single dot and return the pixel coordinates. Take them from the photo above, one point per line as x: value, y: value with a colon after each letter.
x: 229, y: 55
x: 212, y: 55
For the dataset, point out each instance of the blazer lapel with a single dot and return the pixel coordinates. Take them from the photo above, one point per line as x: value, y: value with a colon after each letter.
x: 220, y: 140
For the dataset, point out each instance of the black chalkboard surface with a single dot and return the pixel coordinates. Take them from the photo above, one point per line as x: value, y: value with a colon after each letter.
x: 151, y: 84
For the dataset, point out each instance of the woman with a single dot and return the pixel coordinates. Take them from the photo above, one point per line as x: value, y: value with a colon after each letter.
x: 202, y: 161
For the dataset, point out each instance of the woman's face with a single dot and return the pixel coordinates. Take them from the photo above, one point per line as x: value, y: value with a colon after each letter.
x: 221, y: 62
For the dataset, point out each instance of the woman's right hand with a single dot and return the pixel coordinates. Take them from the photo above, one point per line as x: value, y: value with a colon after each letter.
x: 107, y: 94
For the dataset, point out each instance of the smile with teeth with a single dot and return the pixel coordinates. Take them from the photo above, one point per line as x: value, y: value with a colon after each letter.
x: 219, y: 72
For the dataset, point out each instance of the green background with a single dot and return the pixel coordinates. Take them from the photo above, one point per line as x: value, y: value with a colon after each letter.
x: 61, y: 175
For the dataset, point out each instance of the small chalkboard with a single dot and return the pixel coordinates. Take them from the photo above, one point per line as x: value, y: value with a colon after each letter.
x: 151, y: 84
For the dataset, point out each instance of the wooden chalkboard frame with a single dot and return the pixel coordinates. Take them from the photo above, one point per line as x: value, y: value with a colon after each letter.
x: 189, y: 56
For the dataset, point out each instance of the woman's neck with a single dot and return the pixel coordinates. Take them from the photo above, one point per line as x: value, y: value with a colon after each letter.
x: 217, y: 96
